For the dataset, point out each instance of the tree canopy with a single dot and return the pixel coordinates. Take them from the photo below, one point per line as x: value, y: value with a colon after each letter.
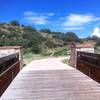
x: 15, y: 23
x: 71, y: 37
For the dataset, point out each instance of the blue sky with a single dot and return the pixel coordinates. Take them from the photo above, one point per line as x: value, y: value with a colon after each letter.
x: 79, y: 16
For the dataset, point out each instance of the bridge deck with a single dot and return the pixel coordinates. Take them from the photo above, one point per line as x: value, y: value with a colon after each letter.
x: 41, y: 80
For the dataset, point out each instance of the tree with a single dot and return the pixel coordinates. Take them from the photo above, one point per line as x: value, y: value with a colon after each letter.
x: 95, y: 38
x: 1, y: 24
x: 15, y: 23
x: 45, y: 30
x: 71, y: 37
x: 29, y: 28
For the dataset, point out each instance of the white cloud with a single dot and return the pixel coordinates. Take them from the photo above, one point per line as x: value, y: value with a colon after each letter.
x: 29, y: 13
x: 96, y: 32
x: 79, y: 19
x: 37, y: 18
x: 71, y: 22
x: 72, y: 28
x: 49, y: 14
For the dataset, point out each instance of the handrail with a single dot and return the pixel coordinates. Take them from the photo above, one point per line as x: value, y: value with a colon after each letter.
x: 7, y: 61
x: 91, y: 58
x: 89, y: 64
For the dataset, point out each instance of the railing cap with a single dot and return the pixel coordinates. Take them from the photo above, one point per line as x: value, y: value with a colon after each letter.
x: 8, y: 56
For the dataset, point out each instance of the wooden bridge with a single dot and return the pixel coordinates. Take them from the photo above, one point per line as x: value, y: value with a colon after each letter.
x: 50, y: 79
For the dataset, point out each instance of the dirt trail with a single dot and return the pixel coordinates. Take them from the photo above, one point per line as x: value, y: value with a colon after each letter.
x: 48, y: 64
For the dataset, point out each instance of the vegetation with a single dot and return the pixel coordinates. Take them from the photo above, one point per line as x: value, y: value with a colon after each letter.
x: 97, y: 46
x: 96, y: 40
x: 13, y: 33
x: 15, y: 23
x: 71, y: 37
x: 66, y: 61
x: 60, y: 52
x: 39, y: 44
x: 30, y: 56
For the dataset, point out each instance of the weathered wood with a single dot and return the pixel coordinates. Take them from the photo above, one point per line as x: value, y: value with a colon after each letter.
x: 13, y: 49
x: 9, y: 68
x: 52, y: 84
x: 89, y: 64
x: 7, y: 61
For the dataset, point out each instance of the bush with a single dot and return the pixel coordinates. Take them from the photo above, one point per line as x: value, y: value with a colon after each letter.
x: 61, y: 52
x: 36, y: 49
x: 47, y: 53
x: 27, y: 50
x: 15, y: 23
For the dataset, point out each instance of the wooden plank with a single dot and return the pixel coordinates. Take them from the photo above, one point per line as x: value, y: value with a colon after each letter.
x: 7, y: 77
x: 63, y: 84
x: 89, y: 64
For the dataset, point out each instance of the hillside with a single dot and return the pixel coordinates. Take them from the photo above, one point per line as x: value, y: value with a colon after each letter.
x: 13, y: 33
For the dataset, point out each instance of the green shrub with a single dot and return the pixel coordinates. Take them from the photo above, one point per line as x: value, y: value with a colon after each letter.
x: 47, y: 53
x: 60, y: 52
x: 27, y: 50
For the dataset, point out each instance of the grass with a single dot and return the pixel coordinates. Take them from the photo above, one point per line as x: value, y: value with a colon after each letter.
x: 60, y: 52
x: 28, y: 57
x: 66, y: 61
x: 57, y: 52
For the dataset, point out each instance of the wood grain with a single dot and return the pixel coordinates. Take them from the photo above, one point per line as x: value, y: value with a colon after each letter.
x: 63, y: 84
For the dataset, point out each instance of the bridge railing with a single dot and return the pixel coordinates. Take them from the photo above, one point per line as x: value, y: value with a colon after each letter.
x: 9, y: 68
x: 89, y: 64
